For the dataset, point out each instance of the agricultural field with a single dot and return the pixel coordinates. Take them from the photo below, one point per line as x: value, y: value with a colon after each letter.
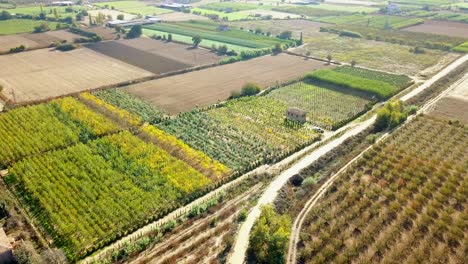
x: 86, y: 148
x: 35, y: 40
x: 454, y: 106
x: 180, y: 17
x: 372, y: 54
x: 426, y: 40
x: 109, y: 12
x: 259, y: 13
x: 403, y: 201
x: 201, y: 88
x: 345, y: 8
x: 221, y: 15
x: 309, y: 11
x: 209, y: 31
x: 133, y: 7
x: 155, y: 56
x: 48, y: 10
x: 43, y: 74
x: 309, y: 29
x: 104, y: 32
x: 441, y: 28
x: 377, y: 21
x: 15, y: 26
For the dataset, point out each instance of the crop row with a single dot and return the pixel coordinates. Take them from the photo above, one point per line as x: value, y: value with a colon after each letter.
x: 403, y: 201
x: 35, y: 129
x: 377, y: 88
x: 99, y: 191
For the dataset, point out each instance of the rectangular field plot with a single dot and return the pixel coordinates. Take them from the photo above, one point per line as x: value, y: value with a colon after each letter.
x: 35, y: 40
x: 372, y: 54
x: 442, y: 28
x: 403, y: 201
x: 156, y: 56
x: 134, y: 7
x: 98, y: 191
x: 308, y: 28
x: 42, y: 74
x: 180, y: 93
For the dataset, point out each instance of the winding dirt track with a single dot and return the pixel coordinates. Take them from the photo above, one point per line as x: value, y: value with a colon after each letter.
x: 242, y: 239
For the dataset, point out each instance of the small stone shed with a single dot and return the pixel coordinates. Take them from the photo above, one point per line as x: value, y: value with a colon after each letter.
x: 296, y: 114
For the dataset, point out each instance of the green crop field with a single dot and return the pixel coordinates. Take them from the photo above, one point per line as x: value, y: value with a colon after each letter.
x: 134, y: 7
x: 48, y: 10
x: 309, y: 11
x: 371, y: 54
x: 229, y: 7
x: 345, y: 8
x: 381, y: 22
x: 462, y: 48
x: 209, y: 31
x: 206, y: 43
x: 222, y: 15
x: 327, y: 106
x: 15, y: 26
x: 403, y: 201
x: 397, y: 81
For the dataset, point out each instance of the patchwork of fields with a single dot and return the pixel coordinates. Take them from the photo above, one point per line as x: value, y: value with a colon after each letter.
x: 402, y: 201
x: 42, y: 74
x: 180, y: 93
x: 36, y: 40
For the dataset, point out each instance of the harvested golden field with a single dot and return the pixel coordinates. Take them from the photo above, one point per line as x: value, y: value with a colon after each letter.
x: 44, y: 73
x: 183, y: 92
x: 35, y: 40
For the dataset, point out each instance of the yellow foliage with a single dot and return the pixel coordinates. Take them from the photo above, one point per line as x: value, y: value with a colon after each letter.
x: 197, y: 159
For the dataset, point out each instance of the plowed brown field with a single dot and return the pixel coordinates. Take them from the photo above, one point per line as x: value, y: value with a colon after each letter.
x: 34, y: 40
x: 446, y: 28
x: 183, y: 92
x: 44, y: 73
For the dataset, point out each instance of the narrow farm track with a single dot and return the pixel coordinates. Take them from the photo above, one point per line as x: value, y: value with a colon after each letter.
x: 159, y: 250
x: 242, y: 238
x: 298, y: 222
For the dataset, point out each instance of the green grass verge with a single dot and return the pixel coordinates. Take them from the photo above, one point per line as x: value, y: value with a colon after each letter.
x: 462, y: 48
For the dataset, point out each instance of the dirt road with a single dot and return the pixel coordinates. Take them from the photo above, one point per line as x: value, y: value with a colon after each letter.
x: 242, y: 239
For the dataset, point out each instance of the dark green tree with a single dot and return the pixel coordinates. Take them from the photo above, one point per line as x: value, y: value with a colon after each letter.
x: 134, y: 32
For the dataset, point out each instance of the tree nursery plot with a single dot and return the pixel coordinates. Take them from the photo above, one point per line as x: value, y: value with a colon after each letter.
x: 183, y: 92
x: 372, y: 54
x: 43, y: 74
x: 403, y: 201
x: 36, y: 129
x: 117, y: 182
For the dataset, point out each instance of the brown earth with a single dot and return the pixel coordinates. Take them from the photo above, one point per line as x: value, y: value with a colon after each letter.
x: 105, y: 33
x: 446, y: 28
x: 45, y: 73
x: 175, y: 51
x: 183, y: 92
x: 35, y: 40
x: 451, y: 108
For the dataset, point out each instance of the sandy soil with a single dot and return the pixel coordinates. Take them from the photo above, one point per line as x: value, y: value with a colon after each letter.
x: 180, y: 93
x: 452, y: 108
x: 35, y: 40
x: 179, y: 16
x: 446, y: 28
x: 44, y: 73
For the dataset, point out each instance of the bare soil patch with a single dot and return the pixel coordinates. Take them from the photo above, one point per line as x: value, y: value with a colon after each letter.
x: 105, y: 33
x: 446, y: 28
x: 44, y: 73
x: 452, y: 108
x: 35, y: 40
x: 175, y: 51
x: 146, y: 60
x: 183, y: 92
x: 178, y: 16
